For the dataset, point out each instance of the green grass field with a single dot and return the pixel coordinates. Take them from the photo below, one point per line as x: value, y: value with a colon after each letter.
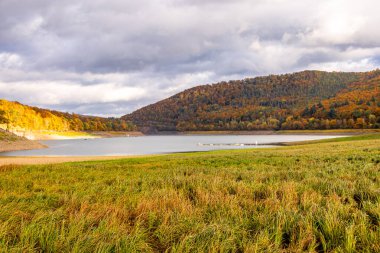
x: 321, y: 197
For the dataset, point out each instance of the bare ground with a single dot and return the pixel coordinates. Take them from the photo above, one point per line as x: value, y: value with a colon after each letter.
x: 11, y: 142
x: 30, y: 160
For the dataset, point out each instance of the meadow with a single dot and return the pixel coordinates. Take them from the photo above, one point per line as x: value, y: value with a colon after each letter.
x: 316, y: 197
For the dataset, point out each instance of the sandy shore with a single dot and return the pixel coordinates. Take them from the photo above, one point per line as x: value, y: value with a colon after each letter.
x: 7, y: 160
x: 19, y: 145
x: 82, y: 135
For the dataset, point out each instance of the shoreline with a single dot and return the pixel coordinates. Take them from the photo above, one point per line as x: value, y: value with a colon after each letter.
x: 35, y: 160
x: 11, y: 142
x: 23, y: 144
x: 72, y: 135
x: 20, y: 145
x: 342, y: 132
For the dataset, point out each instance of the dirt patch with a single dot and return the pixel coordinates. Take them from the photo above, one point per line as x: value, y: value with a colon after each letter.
x: 11, y: 142
x: 19, y: 145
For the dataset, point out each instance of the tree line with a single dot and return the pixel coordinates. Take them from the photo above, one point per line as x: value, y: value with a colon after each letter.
x: 304, y: 100
x: 14, y: 114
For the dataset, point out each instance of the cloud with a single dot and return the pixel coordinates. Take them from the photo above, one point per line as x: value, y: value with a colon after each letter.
x: 47, y: 93
x: 9, y: 61
x: 349, y: 66
x: 111, y: 57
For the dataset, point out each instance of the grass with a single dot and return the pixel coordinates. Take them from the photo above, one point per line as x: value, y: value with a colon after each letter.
x: 364, y: 137
x: 8, y: 137
x: 331, y: 131
x: 320, y: 197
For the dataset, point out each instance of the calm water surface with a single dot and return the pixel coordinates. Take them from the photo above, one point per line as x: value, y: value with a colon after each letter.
x: 158, y: 144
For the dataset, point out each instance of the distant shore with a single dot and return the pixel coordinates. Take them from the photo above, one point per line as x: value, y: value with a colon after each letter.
x: 282, y: 132
x: 86, y: 135
x: 69, y: 135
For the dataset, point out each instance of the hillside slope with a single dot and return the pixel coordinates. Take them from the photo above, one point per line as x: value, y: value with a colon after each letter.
x: 11, y: 142
x: 304, y: 100
x: 14, y: 115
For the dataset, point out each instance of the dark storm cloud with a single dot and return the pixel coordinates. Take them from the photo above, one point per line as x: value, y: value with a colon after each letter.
x: 119, y: 55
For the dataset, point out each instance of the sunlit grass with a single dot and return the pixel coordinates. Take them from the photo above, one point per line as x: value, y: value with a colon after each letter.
x: 331, y: 131
x: 372, y: 136
x: 321, y: 197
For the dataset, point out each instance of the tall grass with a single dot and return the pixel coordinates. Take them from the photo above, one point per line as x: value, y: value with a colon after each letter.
x: 317, y: 198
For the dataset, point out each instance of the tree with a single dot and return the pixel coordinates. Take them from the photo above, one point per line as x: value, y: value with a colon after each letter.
x: 3, y: 119
x: 360, y: 123
x: 332, y: 113
x: 372, y: 119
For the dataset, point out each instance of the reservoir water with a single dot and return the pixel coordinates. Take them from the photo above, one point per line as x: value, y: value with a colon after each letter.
x: 158, y: 144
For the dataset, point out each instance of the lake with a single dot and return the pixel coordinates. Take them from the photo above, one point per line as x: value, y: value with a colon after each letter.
x: 158, y: 144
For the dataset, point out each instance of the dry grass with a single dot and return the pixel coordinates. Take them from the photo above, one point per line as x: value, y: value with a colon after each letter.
x: 318, y: 198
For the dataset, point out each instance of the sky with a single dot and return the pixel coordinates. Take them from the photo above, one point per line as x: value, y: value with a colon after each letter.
x: 111, y: 57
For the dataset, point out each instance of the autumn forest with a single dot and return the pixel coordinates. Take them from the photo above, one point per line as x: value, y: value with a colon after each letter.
x: 303, y: 100
x: 15, y: 115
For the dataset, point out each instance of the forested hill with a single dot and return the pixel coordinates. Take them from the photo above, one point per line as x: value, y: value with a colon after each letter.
x: 304, y: 100
x: 14, y: 115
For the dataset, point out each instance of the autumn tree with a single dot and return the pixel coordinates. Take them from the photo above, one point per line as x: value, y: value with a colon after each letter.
x: 3, y: 119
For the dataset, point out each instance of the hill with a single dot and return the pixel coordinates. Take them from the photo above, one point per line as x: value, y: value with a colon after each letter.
x: 303, y: 100
x: 14, y: 115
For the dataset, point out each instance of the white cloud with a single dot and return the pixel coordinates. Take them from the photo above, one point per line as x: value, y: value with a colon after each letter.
x: 9, y: 60
x: 88, y: 91
x: 48, y: 93
x: 349, y: 66
x: 129, y: 53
